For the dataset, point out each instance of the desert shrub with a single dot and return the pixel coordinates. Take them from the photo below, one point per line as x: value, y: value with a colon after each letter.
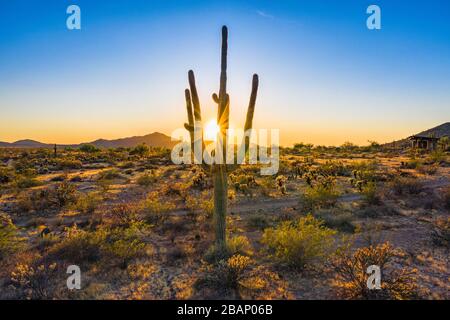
x: 175, y: 254
x: 429, y: 170
x: 51, y: 198
x: 258, y: 221
x: 333, y: 168
x: 411, y: 164
x: 227, y: 273
x: 446, y: 197
x: 116, y: 244
x: 140, y: 150
x: 80, y: 246
x: 370, y: 193
x: 36, y: 282
x: 147, y: 179
x: 10, y: 241
x: 126, y: 249
x: 203, y: 203
x: 25, y: 182
x: 123, y: 214
x: 319, y: 196
x: 125, y: 244
x: 24, y: 166
x: 6, y: 175
x: 67, y: 164
x: 239, y: 245
x: 437, y: 156
x: 126, y: 165
x: 47, y: 240
x: 103, y: 184
x: 341, y: 221
x: 64, y: 193
x: 155, y: 209
x: 406, y: 185
x: 89, y: 148
x: 110, y: 174
x: 351, y: 280
x: 299, y: 243
x: 175, y: 189
x: 266, y: 184
x: 441, y: 232
x: 87, y: 203
x: 35, y: 200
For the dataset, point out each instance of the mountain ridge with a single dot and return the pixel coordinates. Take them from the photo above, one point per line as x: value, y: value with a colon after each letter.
x: 439, y: 131
x: 155, y: 139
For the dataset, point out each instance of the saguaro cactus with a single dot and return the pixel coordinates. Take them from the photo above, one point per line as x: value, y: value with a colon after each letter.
x: 219, y: 170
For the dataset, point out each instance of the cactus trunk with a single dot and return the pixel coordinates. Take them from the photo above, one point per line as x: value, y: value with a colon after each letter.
x: 220, y: 206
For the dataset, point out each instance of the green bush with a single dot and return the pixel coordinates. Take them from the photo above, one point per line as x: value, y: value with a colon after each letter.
x: 370, y: 193
x: 334, y: 219
x: 10, y: 241
x: 154, y: 209
x: 6, y: 175
x: 239, y: 245
x: 25, y: 182
x: 54, y: 197
x: 88, y: 203
x: 110, y: 174
x: 64, y: 194
x: 147, y: 179
x: 66, y: 164
x: 89, y: 148
x: 258, y: 221
x: 140, y: 150
x: 226, y: 274
x: 318, y: 197
x: 406, y: 185
x: 299, y: 243
x: 119, y: 244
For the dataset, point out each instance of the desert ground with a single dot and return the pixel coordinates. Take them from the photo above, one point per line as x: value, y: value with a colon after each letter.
x: 140, y: 227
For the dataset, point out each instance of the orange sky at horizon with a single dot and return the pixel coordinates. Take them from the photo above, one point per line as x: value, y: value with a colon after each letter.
x: 75, y: 131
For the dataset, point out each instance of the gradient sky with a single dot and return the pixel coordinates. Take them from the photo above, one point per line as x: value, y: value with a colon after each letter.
x: 324, y: 77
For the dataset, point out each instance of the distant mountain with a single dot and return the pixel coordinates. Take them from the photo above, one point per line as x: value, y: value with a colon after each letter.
x: 438, y: 132
x: 25, y: 144
x: 155, y: 139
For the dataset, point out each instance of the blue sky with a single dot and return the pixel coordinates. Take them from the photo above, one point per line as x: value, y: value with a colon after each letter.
x: 324, y: 77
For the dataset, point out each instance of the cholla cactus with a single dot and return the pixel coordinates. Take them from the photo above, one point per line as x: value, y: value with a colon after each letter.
x: 219, y: 171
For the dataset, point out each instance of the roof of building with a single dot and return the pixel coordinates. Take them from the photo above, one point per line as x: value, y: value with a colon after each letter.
x: 416, y: 137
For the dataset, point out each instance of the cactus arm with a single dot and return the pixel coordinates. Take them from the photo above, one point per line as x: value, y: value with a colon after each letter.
x: 195, y: 100
x: 251, y: 109
x: 190, y: 125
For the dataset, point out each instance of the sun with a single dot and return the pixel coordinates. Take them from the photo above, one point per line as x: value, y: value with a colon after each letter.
x: 211, y: 130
